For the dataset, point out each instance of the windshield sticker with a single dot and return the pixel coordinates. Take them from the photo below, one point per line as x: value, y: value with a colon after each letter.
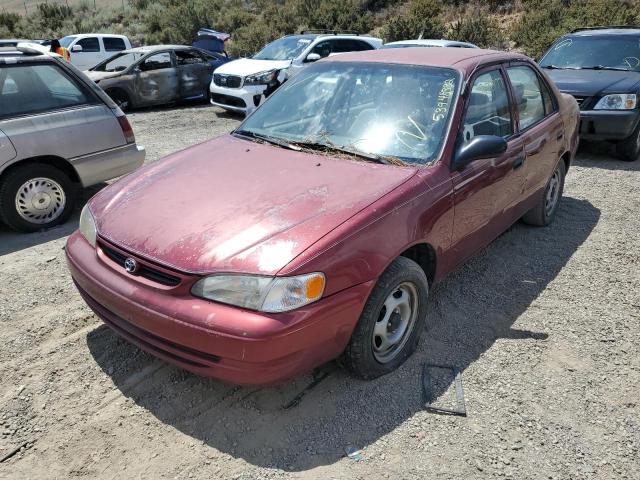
x: 444, y: 99
x: 563, y: 44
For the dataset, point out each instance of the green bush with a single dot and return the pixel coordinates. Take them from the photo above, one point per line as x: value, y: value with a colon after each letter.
x: 477, y: 27
x: 421, y: 20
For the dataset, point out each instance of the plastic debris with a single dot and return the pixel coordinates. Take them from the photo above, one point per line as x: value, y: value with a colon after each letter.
x: 353, y: 453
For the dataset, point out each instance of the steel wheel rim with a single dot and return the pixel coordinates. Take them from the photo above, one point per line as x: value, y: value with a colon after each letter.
x: 40, y: 200
x: 395, y: 322
x: 553, y: 192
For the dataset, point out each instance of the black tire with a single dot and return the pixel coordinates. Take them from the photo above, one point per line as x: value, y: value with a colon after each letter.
x: 629, y: 148
x: 17, y: 178
x: 541, y: 215
x: 359, y: 357
x: 120, y: 98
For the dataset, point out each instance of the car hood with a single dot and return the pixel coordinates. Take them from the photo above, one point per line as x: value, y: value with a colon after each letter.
x: 237, y: 206
x: 95, y: 76
x: 249, y: 66
x: 589, y: 83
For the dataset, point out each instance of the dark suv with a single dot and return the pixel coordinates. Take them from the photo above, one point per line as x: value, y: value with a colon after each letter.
x: 600, y: 67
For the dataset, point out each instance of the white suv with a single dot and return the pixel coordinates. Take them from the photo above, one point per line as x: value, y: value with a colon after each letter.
x: 242, y: 85
x: 89, y: 49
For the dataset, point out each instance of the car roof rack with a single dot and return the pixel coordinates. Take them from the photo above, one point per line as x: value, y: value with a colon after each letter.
x: 321, y: 31
x: 604, y: 27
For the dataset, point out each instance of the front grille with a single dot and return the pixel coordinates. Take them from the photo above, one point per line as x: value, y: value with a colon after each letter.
x: 147, y: 340
x: 228, y: 100
x: 144, y: 271
x: 229, y: 81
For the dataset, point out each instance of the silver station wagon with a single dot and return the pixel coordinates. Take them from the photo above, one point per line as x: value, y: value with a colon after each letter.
x: 59, y: 132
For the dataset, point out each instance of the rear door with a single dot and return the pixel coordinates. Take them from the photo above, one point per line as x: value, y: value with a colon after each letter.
x: 540, y: 125
x: 194, y: 73
x: 486, y: 190
x: 156, y: 82
x: 52, y: 113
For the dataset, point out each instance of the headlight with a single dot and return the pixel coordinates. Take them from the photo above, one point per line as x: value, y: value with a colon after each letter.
x: 617, y: 101
x: 88, y: 226
x: 262, y: 78
x: 265, y: 294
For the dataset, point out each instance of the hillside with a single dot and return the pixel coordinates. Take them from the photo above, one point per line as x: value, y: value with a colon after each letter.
x: 529, y: 25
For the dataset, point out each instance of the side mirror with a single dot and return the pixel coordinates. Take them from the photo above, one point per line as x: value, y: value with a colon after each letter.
x: 482, y: 146
x: 313, y: 57
x: 76, y: 48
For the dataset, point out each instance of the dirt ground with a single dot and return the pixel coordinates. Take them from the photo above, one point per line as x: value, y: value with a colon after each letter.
x: 544, y: 325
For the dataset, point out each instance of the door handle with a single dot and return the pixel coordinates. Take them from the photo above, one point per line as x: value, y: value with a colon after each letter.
x: 518, y: 162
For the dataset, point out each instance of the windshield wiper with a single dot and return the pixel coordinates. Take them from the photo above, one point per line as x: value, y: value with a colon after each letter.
x: 603, y: 67
x: 248, y: 134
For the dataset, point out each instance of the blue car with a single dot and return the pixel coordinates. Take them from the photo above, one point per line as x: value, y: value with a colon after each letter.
x: 212, y: 43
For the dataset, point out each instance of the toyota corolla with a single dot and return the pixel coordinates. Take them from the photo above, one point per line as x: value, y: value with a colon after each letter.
x: 317, y: 228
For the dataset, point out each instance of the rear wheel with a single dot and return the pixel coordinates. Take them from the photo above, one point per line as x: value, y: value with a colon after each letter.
x: 629, y: 148
x: 544, y: 213
x: 391, y: 322
x: 35, y: 197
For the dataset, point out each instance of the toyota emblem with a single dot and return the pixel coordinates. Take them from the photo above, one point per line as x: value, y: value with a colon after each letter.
x: 130, y: 265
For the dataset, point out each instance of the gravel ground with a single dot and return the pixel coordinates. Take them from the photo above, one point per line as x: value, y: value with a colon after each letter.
x: 543, y: 324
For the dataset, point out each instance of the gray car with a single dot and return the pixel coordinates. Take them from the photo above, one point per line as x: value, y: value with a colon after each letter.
x: 154, y: 75
x: 58, y: 133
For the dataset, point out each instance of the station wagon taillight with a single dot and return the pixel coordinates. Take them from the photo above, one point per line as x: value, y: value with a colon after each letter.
x: 127, y: 131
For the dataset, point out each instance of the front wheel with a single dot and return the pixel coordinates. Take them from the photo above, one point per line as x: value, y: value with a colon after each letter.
x: 629, y: 148
x: 391, y: 323
x: 35, y: 197
x: 121, y: 99
x: 545, y: 211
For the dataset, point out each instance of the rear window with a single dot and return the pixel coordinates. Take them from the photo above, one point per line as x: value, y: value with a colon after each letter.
x: 30, y: 89
x: 113, y: 44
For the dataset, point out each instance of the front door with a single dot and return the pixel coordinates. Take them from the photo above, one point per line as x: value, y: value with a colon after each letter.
x: 157, y: 81
x: 485, y: 189
x: 194, y: 74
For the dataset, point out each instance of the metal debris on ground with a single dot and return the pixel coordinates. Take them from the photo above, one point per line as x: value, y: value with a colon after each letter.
x: 10, y: 454
x: 427, y: 391
x: 353, y: 453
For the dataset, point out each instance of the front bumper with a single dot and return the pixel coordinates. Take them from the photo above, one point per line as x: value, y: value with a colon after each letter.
x: 101, y: 166
x: 211, y: 339
x: 242, y: 100
x: 608, y: 124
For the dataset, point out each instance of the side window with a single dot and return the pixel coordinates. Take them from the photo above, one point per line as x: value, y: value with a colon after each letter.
x: 113, y: 44
x: 90, y: 44
x: 359, y: 46
x: 38, y: 88
x: 323, y: 48
x: 488, y: 110
x: 186, y: 57
x: 156, y: 62
x: 528, y: 95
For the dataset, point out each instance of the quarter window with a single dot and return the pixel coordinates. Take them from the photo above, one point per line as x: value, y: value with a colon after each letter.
x: 528, y: 95
x: 113, y: 44
x: 488, y: 110
x: 37, y: 88
x: 90, y: 44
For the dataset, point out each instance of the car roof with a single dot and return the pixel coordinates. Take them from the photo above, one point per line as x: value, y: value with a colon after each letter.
x: 155, y: 48
x: 433, y: 42
x: 84, y: 35
x: 465, y: 59
x: 605, y: 31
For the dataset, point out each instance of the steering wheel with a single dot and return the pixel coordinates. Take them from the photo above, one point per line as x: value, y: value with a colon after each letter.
x: 413, y: 137
x: 632, y: 62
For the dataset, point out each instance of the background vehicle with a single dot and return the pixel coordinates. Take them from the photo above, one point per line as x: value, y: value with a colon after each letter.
x: 155, y: 75
x: 252, y: 257
x: 58, y: 132
x: 600, y: 67
x: 89, y: 49
x: 242, y: 85
x: 428, y: 43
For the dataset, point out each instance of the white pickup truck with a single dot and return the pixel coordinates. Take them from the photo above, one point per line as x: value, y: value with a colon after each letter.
x: 89, y: 49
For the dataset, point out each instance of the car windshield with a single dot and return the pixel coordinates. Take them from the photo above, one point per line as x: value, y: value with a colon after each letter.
x: 66, y: 41
x: 621, y: 52
x: 286, y: 48
x: 118, y: 62
x: 376, y: 109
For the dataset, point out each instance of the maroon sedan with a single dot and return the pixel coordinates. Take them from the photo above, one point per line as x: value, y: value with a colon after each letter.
x: 317, y: 228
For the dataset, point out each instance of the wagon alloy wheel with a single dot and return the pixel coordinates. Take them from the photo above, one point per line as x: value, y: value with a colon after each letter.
x: 40, y: 200
x: 391, y: 322
x: 553, y: 193
x: 395, y: 322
